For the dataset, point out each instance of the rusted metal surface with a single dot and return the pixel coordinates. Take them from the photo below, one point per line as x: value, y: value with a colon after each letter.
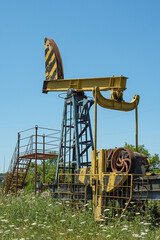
x: 40, y: 156
x: 36, y: 146
x: 123, y: 160
x: 53, y: 61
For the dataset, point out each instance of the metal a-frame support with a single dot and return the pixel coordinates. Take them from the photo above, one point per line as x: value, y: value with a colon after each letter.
x: 76, y: 133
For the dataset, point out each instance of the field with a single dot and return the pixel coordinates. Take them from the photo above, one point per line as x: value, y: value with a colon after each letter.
x: 42, y: 217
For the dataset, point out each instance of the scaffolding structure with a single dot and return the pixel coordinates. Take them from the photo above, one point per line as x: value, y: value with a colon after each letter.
x: 76, y: 134
x: 38, y: 144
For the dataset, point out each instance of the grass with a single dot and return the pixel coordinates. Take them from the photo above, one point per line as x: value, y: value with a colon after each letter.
x: 42, y: 217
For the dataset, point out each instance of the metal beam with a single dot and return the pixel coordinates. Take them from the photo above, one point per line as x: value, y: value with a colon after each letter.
x: 85, y: 84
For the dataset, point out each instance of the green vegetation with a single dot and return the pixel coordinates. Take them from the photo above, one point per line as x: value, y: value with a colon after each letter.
x: 42, y: 217
x: 50, y: 172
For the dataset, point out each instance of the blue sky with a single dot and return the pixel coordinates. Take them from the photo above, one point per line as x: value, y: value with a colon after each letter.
x: 96, y: 39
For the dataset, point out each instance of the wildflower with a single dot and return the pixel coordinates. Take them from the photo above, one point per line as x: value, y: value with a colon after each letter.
x: 83, y: 222
x: 111, y: 226
x: 101, y: 225
x: 104, y: 230
x: 124, y: 229
x: 86, y: 205
x: 135, y: 235
x: 147, y: 223
x: 90, y: 233
x: 106, y: 209
x: 74, y: 215
x: 4, y: 220
x: 101, y: 219
x: 33, y: 224
x: 137, y: 213
x: 108, y: 236
x: 11, y: 226
x: 70, y: 230
x: 143, y: 233
x: 63, y: 220
x: 26, y: 220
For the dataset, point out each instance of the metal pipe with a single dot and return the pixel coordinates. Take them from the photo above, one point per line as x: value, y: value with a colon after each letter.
x: 17, y: 161
x: 95, y: 129
x: 36, y: 129
x: 136, y: 111
x: 43, y: 160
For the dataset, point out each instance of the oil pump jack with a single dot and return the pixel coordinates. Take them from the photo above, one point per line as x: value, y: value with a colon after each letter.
x: 111, y: 175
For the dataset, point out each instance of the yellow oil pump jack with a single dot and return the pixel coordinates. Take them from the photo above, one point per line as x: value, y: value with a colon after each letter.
x: 122, y: 161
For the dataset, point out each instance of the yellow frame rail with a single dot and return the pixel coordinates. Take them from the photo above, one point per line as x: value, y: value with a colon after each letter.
x: 85, y: 84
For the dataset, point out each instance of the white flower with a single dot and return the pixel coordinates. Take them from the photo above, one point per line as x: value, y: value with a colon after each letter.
x: 86, y: 205
x: 74, y: 215
x: 142, y: 233
x: 124, y: 229
x: 4, y: 220
x: 147, y: 223
x: 61, y: 233
x: 135, y: 235
x: 137, y: 213
x: 26, y: 220
x: 33, y: 224
x: 83, y: 222
x: 70, y: 230
x: 106, y: 209
x: 63, y: 220
x: 108, y: 236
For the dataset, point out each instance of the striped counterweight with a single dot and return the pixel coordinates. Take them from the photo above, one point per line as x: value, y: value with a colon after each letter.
x: 53, y: 62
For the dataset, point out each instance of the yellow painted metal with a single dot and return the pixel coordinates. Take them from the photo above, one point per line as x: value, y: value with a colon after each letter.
x: 82, y: 174
x: 109, y: 205
x: 85, y: 84
x: 95, y: 131
x: 112, y: 186
x: 136, y: 110
x: 114, y: 104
